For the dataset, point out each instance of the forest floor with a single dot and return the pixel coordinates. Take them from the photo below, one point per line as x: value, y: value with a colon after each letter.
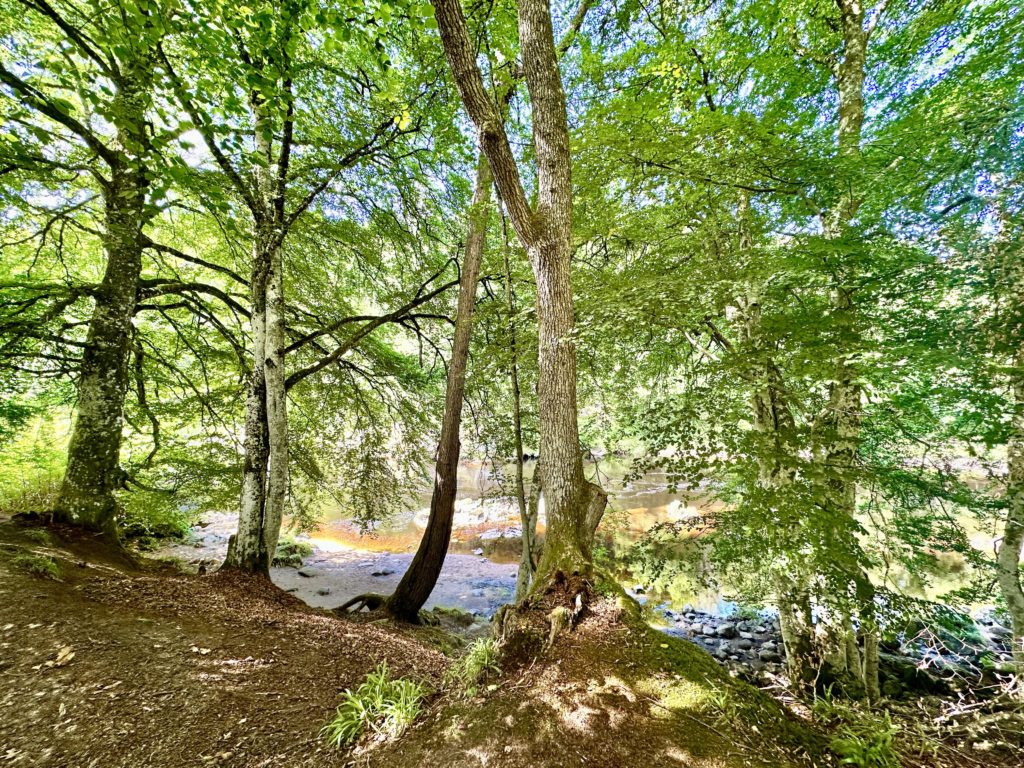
x: 116, y: 663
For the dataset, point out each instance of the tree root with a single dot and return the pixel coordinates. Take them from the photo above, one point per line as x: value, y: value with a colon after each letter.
x: 370, y: 601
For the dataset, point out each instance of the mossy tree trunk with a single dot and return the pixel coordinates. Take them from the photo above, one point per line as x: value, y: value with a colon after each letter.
x: 93, y: 473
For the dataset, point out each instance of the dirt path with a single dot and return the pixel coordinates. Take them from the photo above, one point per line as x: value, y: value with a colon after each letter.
x: 103, y: 670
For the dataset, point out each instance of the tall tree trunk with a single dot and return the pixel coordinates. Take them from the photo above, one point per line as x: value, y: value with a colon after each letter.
x: 527, y: 522
x: 772, y: 419
x: 247, y: 547
x: 93, y: 470
x: 844, y: 422
x: 1008, y: 559
x: 265, y: 469
x: 421, y: 577
x: 1009, y: 555
x: 570, y: 501
x: 574, y: 506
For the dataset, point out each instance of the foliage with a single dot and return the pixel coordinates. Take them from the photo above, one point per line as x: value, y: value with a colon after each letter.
x: 290, y: 552
x: 867, y: 743
x: 41, y: 566
x: 480, y: 661
x: 382, y: 706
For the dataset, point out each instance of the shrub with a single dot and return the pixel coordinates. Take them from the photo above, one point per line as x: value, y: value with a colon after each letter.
x: 382, y: 705
x: 37, y: 565
x: 33, y: 492
x: 479, y: 663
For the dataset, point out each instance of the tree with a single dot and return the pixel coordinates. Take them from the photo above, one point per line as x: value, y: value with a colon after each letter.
x: 574, y: 506
x: 107, y: 76
x: 419, y: 579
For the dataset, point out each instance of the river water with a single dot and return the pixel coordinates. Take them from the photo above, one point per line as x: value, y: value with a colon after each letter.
x: 480, y: 570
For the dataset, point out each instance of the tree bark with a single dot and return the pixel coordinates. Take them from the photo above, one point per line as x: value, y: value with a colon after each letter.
x: 1008, y: 558
x: 421, y: 577
x: 93, y: 473
x: 265, y: 469
x: 527, y: 521
x: 546, y: 235
x: 844, y: 422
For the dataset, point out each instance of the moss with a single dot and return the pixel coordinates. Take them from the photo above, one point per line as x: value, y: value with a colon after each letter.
x: 290, y: 553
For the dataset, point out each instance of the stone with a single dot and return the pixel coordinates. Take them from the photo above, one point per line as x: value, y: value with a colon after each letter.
x: 687, y: 609
x: 323, y: 591
x: 708, y: 629
x: 998, y: 632
x: 746, y: 636
x: 744, y: 643
x: 383, y: 572
x: 307, y: 572
x: 639, y: 589
x: 769, y: 656
x: 478, y: 551
x: 770, y: 645
x: 728, y: 629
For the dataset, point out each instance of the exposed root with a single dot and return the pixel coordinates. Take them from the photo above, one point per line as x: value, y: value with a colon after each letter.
x: 370, y: 601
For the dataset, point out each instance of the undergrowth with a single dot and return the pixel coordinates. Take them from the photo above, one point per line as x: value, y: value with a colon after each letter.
x: 382, y: 706
x: 467, y: 674
x: 37, y: 565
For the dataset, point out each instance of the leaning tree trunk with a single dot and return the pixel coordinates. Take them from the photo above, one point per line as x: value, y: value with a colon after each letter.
x: 93, y: 470
x: 421, y: 577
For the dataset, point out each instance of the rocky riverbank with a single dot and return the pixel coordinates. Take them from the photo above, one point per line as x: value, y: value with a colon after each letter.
x: 931, y: 659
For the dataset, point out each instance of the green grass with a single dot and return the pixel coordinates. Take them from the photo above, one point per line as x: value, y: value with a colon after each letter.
x: 867, y: 743
x: 478, y: 663
x: 38, y: 536
x: 382, y: 706
x: 37, y: 565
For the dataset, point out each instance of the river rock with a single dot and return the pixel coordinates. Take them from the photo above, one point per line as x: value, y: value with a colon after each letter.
x: 708, y: 629
x: 383, y: 572
x: 769, y: 655
x: 998, y: 632
x: 728, y: 629
x: 323, y: 591
x: 744, y: 643
x: 769, y: 645
x: 746, y: 636
x: 308, y: 572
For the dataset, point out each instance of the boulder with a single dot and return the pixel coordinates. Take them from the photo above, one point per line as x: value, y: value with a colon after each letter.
x: 769, y: 656
x: 728, y: 629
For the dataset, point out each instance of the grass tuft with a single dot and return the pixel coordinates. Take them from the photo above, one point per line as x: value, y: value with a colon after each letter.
x: 382, y: 706
x: 479, y: 663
